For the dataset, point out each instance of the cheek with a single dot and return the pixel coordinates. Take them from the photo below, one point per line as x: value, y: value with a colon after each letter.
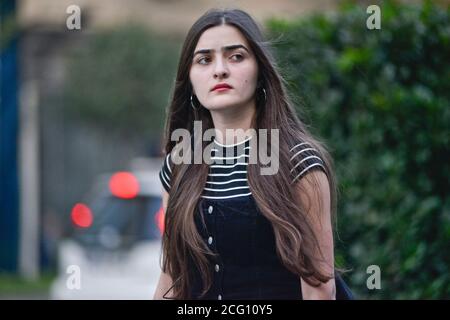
x: 249, y: 78
x: 249, y: 82
x: 196, y: 80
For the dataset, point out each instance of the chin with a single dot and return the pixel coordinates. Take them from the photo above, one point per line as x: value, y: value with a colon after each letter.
x: 218, y: 106
x: 222, y: 105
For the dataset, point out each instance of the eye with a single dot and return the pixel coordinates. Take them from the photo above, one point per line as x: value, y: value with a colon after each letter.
x: 237, y: 57
x: 202, y: 60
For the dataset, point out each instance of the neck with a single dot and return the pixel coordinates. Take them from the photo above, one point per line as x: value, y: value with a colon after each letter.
x: 231, y: 125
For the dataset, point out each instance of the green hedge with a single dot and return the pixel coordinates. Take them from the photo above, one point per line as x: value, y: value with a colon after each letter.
x: 380, y: 100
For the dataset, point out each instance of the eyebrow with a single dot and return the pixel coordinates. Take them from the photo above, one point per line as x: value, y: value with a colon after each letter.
x: 225, y: 48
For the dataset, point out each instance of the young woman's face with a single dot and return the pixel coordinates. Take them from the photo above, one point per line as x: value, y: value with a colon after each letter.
x: 223, y: 56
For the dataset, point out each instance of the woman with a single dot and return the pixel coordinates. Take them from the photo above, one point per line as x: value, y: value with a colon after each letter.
x: 232, y: 232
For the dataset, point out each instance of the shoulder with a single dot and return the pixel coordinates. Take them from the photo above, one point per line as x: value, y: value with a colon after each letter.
x: 304, y: 158
x: 310, y: 177
x: 165, y: 174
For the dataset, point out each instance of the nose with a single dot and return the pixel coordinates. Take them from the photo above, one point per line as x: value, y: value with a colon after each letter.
x: 220, y: 69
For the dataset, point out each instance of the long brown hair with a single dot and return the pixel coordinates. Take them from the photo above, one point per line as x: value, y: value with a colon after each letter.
x: 295, y: 240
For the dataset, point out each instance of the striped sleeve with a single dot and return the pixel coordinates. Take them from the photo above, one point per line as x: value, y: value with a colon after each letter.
x: 166, y: 172
x: 304, y: 158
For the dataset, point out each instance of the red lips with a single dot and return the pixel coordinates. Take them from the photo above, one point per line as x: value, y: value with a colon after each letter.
x: 221, y: 86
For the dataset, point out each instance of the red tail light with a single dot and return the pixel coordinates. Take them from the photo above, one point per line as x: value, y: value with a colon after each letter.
x: 124, y: 185
x: 159, y: 217
x: 81, y: 215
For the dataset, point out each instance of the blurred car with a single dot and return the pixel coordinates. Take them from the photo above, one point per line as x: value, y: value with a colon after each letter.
x: 114, y: 249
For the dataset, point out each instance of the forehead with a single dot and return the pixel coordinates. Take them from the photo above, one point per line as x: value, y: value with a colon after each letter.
x: 217, y: 37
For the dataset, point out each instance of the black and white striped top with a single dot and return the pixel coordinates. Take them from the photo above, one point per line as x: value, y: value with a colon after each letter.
x: 227, y: 177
